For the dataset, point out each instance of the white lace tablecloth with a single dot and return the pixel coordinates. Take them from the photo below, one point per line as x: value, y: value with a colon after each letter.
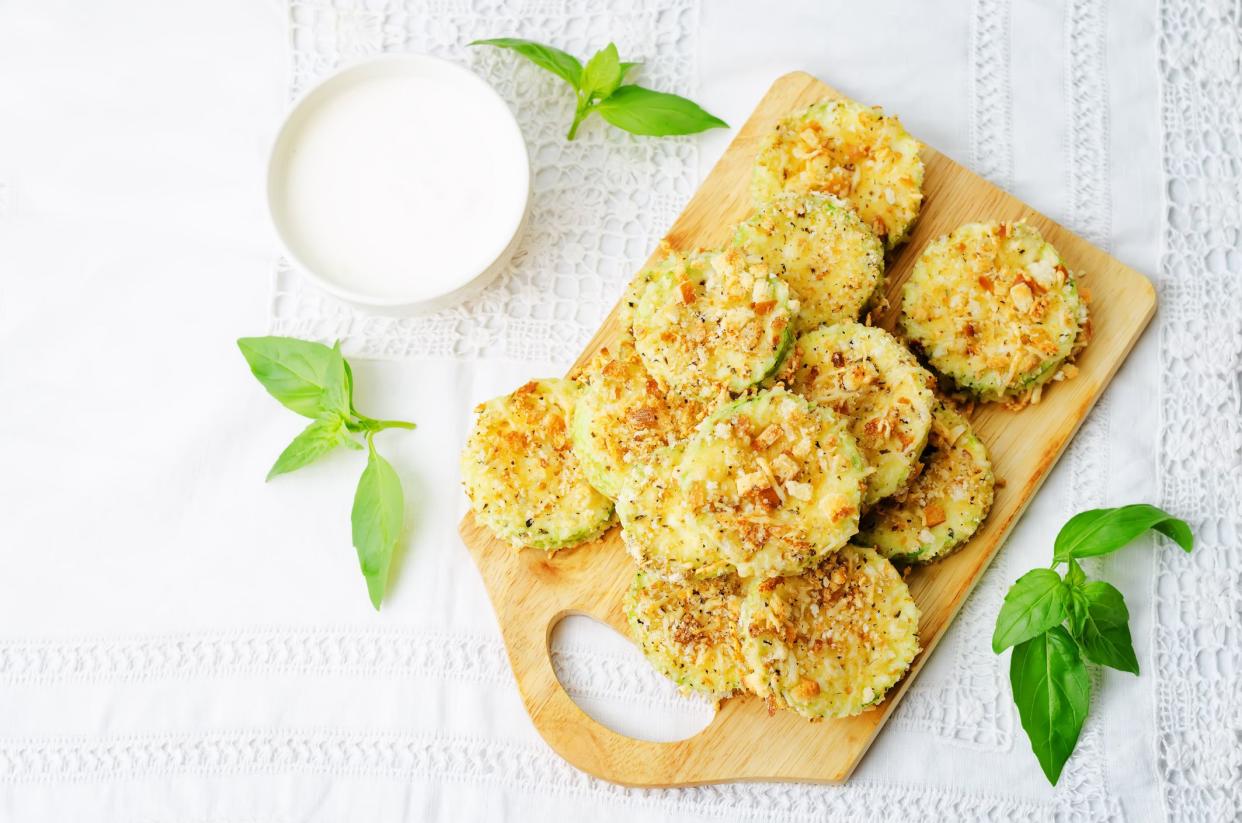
x: 181, y: 642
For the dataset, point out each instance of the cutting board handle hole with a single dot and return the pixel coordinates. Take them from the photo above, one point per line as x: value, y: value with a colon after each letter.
x: 606, y: 676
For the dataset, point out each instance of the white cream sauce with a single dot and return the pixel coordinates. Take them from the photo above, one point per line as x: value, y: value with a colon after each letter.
x: 401, y: 186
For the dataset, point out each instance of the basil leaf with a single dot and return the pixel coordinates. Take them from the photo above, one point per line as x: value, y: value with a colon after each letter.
x: 338, y: 394
x: 1077, y: 610
x: 626, y: 68
x: 1052, y: 691
x: 563, y: 65
x: 602, y: 74
x: 316, y: 440
x: 1076, y: 604
x: 642, y: 111
x: 308, y: 378
x: 1033, y: 605
x: 1100, y: 531
x: 349, y: 387
x: 379, y: 508
x: 1105, y: 633
x: 1075, y: 576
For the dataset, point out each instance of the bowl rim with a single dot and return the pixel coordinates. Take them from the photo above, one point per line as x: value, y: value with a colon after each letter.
x: 468, y: 282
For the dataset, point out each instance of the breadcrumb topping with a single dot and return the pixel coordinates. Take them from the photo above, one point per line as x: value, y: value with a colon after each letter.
x: 520, y: 472
x: 865, y: 375
x: 711, y: 323
x: 689, y: 631
x: 766, y: 485
x: 944, y: 505
x: 993, y: 308
x: 829, y: 642
x: 623, y: 415
x: 853, y: 152
x: 822, y: 249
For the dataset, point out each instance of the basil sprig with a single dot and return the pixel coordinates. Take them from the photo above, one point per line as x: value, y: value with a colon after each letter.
x: 379, y: 508
x: 1056, y: 624
x: 597, y: 86
x: 316, y: 381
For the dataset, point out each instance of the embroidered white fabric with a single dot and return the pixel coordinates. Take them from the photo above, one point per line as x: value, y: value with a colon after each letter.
x: 221, y: 663
x: 1199, y: 599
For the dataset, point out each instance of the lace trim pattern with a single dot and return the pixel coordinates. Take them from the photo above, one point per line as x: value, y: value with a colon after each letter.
x: 272, y: 651
x: 991, y: 114
x: 443, y: 759
x: 585, y: 672
x: 1198, y: 632
x: 1090, y: 208
x: 598, y: 204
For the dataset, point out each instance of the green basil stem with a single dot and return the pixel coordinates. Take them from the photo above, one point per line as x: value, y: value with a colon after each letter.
x: 367, y: 424
x: 580, y: 112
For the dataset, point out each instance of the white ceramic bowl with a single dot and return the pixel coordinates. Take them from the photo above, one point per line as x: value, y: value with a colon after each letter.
x: 399, y: 184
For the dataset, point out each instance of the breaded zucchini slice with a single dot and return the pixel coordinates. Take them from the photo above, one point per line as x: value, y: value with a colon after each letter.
x: 623, y: 415
x: 832, y: 641
x: 822, y: 249
x: 709, y: 322
x: 520, y: 473
x: 851, y: 151
x: 864, y: 374
x: 993, y: 308
x: 944, y: 505
x: 688, y: 631
x: 664, y: 533
x: 765, y: 485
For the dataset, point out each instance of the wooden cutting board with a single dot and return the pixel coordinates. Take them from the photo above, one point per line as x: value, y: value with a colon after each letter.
x: 531, y: 590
